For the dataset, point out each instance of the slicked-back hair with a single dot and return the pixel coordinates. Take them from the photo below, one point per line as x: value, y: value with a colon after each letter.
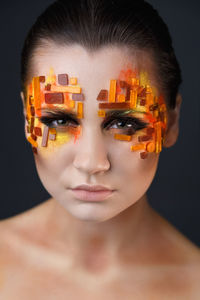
x: 97, y: 23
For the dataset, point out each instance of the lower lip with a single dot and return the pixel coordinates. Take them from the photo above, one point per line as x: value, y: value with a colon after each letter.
x: 91, y: 196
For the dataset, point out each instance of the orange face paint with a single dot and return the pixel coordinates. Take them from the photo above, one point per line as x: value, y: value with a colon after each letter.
x: 130, y: 93
x: 47, y: 96
x: 133, y: 94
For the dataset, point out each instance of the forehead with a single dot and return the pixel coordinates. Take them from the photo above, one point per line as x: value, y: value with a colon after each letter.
x: 93, y: 69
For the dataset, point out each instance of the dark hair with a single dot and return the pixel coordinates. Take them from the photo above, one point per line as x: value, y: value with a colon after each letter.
x: 95, y: 23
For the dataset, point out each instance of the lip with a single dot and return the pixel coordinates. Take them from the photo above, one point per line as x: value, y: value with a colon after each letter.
x: 91, y: 188
x: 91, y: 192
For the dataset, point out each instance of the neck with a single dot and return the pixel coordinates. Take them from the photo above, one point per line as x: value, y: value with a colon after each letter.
x: 98, y: 244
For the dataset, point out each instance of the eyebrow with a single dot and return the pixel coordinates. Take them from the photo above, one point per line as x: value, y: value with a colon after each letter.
x: 70, y: 113
x: 55, y: 110
x: 122, y: 112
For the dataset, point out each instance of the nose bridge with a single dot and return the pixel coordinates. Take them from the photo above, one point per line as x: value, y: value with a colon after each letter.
x: 91, y: 154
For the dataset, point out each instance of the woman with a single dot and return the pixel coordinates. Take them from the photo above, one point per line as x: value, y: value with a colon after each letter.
x: 100, y: 87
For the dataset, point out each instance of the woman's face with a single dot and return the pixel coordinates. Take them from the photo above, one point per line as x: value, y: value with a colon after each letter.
x: 96, y: 157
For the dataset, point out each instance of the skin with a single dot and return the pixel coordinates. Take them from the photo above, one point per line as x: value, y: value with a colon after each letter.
x: 117, y: 248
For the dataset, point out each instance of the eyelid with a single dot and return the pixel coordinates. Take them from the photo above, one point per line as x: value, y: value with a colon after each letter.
x: 125, y: 118
x: 57, y: 115
x: 52, y: 117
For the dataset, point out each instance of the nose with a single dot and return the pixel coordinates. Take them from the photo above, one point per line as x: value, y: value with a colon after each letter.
x: 91, y: 155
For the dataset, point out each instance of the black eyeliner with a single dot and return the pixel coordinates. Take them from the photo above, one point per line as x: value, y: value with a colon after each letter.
x: 54, y: 115
x: 122, y: 116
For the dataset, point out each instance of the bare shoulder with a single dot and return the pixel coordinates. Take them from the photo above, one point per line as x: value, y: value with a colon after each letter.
x: 34, y: 213
x: 178, y: 243
x: 22, y: 243
x: 178, y: 258
x: 22, y: 227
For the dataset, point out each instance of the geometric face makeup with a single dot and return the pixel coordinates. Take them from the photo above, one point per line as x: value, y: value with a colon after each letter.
x: 55, y: 103
x: 48, y: 100
x: 133, y: 93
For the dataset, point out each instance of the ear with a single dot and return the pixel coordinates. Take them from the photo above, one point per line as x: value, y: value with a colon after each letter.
x: 173, y: 124
x: 23, y: 103
x: 24, y: 112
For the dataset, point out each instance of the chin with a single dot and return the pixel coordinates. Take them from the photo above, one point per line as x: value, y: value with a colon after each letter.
x: 90, y: 212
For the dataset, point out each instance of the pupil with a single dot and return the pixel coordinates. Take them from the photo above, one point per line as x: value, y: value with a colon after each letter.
x: 124, y: 123
x: 121, y: 123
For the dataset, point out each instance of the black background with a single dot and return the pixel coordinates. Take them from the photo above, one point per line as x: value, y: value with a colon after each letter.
x: 174, y: 191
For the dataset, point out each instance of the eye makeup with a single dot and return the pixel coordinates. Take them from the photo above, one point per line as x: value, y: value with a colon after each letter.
x: 132, y: 94
x: 129, y: 108
x: 123, y: 121
x: 61, y: 121
x: 53, y: 105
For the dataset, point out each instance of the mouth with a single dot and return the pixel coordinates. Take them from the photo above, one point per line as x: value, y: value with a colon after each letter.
x: 91, y: 193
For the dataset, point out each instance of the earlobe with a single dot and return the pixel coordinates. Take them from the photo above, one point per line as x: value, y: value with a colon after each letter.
x: 173, y: 124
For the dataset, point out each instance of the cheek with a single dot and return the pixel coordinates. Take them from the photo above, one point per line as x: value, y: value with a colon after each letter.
x: 51, y: 140
x: 51, y: 163
x: 129, y: 174
x: 133, y: 174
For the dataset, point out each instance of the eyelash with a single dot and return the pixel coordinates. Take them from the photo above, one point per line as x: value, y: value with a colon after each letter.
x: 135, y: 124
x: 48, y: 121
x: 58, y: 116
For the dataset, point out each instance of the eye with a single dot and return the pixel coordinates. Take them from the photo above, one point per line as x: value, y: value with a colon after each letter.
x: 129, y: 125
x: 57, y: 121
x: 62, y: 122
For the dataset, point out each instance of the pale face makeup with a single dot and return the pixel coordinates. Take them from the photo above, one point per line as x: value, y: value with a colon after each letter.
x: 96, y: 157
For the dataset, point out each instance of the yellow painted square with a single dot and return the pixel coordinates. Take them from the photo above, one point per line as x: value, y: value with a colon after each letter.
x: 73, y: 81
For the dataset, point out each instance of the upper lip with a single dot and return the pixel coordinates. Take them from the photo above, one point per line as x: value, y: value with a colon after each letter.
x: 91, y: 187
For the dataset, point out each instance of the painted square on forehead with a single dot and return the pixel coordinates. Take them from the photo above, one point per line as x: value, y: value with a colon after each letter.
x: 130, y: 91
x: 61, y: 92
